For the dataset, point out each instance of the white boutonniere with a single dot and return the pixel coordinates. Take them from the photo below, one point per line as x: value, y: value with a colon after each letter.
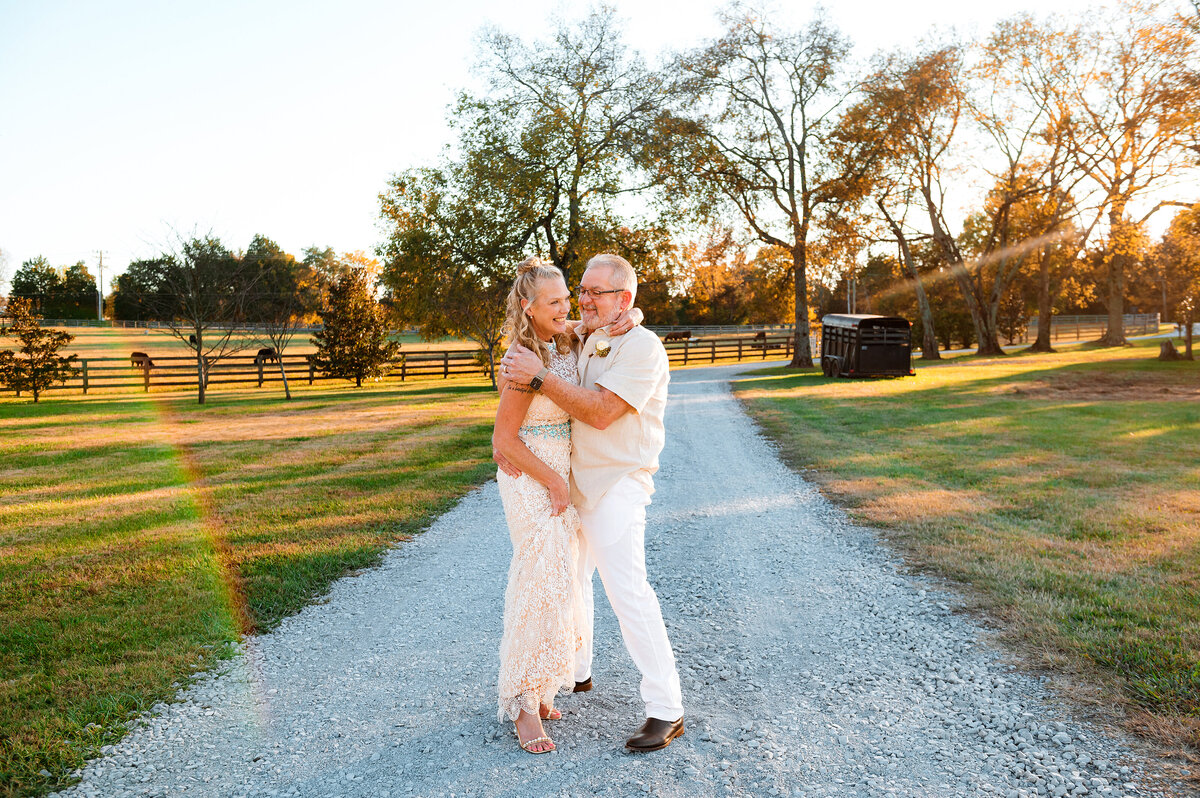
x: 603, y: 348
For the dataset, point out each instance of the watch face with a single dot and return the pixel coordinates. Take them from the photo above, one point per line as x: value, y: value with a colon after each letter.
x: 536, y: 383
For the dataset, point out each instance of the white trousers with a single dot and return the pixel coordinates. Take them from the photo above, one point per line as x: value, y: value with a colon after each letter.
x: 614, y: 533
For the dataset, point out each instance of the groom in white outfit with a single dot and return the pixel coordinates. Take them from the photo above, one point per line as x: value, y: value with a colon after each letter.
x: 616, y: 436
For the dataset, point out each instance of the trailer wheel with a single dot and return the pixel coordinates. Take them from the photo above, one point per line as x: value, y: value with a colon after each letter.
x: 825, y: 366
x: 835, y: 367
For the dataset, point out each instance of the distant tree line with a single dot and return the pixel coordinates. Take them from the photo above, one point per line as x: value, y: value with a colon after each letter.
x: 208, y: 296
x: 968, y: 185
x: 264, y: 272
x: 56, y: 293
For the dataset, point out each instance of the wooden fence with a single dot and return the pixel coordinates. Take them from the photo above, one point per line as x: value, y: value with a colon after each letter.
x: 713, y: 350
x: 1076, y: 328
x: 110, y: 373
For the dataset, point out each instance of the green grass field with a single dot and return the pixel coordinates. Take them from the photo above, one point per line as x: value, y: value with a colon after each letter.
x: 1063, y: 489
x: 140, y: 535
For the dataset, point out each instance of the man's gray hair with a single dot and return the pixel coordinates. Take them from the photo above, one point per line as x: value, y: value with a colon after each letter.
x: 622, y: 274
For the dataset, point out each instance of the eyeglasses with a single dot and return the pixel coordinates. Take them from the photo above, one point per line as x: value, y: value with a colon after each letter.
x: 595, y: 292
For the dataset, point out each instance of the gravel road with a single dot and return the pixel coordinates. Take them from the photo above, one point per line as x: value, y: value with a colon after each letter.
x: 811, y: 666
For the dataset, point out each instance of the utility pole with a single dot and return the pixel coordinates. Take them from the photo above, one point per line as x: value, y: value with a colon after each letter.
x: 100, y: 290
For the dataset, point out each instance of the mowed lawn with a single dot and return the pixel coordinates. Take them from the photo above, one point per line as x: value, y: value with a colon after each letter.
x: 140, y: 535
x: 1063, y: 489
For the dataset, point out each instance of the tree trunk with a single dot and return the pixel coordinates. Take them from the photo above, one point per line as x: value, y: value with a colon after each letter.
x: 1045, y: 319
x: 201, y: 375
x: 1115, y: 283
x: 1115, y: 279
x: 802, y: 355
x: 492, y: 363
x: 1187, y: 338
x: 287, y: 391
x: 929, y: 348
x: 989, y: 343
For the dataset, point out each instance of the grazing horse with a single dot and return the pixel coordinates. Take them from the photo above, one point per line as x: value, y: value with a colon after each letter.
x: 265, y: 355
x: 679, y: 335
x: 140, y: 360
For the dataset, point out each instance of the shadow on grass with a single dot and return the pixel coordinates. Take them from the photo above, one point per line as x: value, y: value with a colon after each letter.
x: 119, y: 558
x: 1073, y: 517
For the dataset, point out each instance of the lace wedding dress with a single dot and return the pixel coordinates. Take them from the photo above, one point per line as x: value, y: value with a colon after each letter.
x: 542, y: 605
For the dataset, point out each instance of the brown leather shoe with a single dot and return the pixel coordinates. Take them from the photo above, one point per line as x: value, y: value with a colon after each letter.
x: 655, y: 734
x: 584, y: 686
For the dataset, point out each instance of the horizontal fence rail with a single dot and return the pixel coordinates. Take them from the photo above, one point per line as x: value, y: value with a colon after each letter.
x: 719, y: 329
x: 174, y: 372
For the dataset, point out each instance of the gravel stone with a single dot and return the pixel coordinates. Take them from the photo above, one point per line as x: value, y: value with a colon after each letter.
x: 813, y: 665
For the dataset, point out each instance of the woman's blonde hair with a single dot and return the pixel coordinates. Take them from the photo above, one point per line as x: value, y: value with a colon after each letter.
x: 518, y: 327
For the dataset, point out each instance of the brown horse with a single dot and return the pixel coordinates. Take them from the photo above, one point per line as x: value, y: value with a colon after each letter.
x: 140, y: 360
x: 679, y: 335
x: 265, y: 356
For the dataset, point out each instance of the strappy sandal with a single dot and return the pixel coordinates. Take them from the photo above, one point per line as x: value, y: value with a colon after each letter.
x: 543, y: 739
x: 554, y: 715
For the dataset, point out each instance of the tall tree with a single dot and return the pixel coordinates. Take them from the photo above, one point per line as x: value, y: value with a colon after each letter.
x: 285, y: 293
x: 202, y: 297
x: 448, y: 261
x: 897, y: 227
x: 326, y: 264
x: 561, y: 131
x: 353, y: 343
x: 134, y: 296
x: 78, y: 295
x: 39, y: 282
x: 759, y: 130
x: 37, y: 365
x: 1129, y: 108
x: 709, y: 272
x: 1179, y: 255
x: 767, y: 284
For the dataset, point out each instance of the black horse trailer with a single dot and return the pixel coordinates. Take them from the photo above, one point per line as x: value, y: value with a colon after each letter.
x: 858, y: 345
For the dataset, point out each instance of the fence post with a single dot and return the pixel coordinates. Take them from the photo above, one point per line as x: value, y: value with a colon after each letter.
x: 687, y: 345
x: 311, y: 370
x: 445, y: 365
x: 1077, y: 333
x: 85, y: 376
x: 713, y: 359
x: 146, y: 375
x: 260, y: 374
x: 739, y: 350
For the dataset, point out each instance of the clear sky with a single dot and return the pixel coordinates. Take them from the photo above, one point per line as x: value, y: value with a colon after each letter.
x: 122, y: 121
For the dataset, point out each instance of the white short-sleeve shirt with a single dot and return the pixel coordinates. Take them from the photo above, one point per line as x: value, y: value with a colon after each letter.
x: 635, y: 369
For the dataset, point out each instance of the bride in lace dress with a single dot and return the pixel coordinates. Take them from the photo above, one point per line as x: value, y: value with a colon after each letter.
x: 543, y: 604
